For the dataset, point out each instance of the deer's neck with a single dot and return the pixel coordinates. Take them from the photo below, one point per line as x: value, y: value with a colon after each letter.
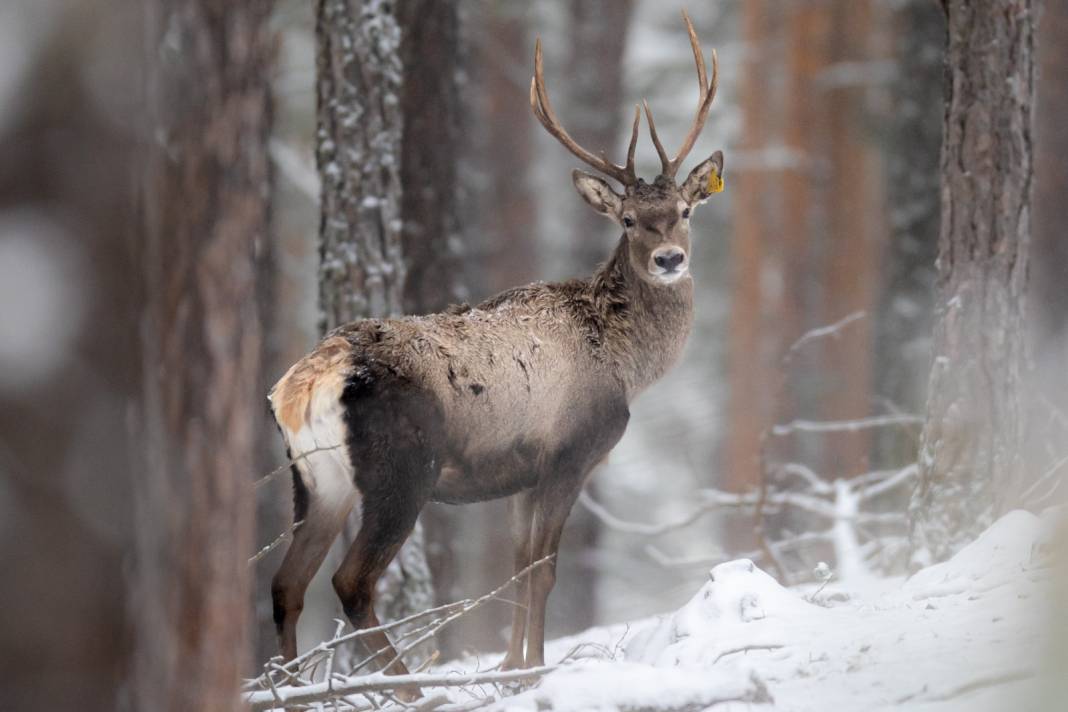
x: 644, y: 325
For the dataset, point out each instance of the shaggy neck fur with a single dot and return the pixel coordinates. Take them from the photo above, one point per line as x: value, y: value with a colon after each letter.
x: 643, y: 326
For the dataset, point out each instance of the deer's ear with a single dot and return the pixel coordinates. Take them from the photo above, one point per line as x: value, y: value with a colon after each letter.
x: 704, y: 180
x: 598, y: 194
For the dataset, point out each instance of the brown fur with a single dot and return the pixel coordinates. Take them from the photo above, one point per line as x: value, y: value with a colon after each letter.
x: 326, y: 367
x: 520, y: 396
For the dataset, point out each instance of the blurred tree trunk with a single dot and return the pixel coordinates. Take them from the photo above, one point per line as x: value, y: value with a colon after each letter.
x: 598, y: 31
x: 593, y: 101
x: 362, y: 269
x: 431, y: 146
x: 1048, y: 431
x: 850, y: 244
x: 913, y: 129
x: 71, y: 352
x: 206, y: 214
x: 758, y: 217
x: 505, y: 214
x: 807, y: 236
x: 970, y: 449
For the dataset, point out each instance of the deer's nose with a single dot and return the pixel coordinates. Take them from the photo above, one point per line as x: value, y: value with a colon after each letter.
x: 669, y: 259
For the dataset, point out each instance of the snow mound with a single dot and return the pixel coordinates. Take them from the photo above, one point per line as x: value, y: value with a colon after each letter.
x: 605, y: 686
x: 988, y: 562
x: 738, y: 594
x: 966, y: 635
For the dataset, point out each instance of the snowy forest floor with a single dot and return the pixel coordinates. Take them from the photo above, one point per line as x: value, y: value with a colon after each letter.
x: 968, y: 634
x: 977, y: 633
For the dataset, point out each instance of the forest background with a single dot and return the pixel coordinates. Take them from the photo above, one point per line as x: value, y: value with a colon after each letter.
x: 119, y: 131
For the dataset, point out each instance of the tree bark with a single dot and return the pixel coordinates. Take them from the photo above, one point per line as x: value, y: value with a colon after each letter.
x: 206, y: 212
x: 431, y: 146
x: 970, y: 448
x: 359, y: 149
x: 358, y: 152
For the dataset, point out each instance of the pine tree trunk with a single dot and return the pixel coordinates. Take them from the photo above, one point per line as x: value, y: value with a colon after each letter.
x: 913, y: 135
x: 359, y: 152
x: 205, y: 209
x: 593, y: 102
x: 433, y: 244
x: 970, y: 448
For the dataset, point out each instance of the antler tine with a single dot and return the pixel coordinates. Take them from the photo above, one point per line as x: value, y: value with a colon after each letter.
x: 669, y: 167
x: 665, y: 162
x: 633, y: 140
x: 543, y: 110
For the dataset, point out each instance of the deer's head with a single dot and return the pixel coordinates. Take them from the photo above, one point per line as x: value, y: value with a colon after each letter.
x: 655, y: 216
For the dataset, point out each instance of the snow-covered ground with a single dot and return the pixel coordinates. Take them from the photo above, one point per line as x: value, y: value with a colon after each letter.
x: 972, y: 634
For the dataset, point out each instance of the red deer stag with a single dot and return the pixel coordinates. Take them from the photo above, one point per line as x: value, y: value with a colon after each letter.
x: 520, y: 396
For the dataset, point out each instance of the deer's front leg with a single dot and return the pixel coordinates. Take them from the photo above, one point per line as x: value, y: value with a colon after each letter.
x: 551, y: 507
x: 520, y: 507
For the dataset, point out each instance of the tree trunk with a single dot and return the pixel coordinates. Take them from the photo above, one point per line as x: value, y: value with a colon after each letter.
x: 903, y: 320
x: 206, y: 212
x: 431, y: 146
x: 970, y: 448
x: 593, y: 103
x: 70, y: 367
x: 1048, y: 431
x: 505, y: 217
x: 359, y: 149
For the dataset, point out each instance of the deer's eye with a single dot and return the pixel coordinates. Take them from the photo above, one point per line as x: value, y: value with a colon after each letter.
x: 685, y: 213
x: 628, y: 221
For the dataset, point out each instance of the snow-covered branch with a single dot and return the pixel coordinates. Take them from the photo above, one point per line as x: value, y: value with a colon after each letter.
x: 280, y: 682
x: 845, y: 426
x: 340, y: 686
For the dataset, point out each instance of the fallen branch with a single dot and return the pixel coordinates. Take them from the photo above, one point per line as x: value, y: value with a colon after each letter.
x: 378, y: 682
x: 325, y: 648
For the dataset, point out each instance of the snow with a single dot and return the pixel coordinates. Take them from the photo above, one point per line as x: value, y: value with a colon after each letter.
x: 964, y: 635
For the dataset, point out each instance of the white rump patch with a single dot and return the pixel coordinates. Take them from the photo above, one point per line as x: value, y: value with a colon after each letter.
x: 320, y: 451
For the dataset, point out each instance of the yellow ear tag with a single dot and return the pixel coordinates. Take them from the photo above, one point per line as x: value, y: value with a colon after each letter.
x: 715, y: 183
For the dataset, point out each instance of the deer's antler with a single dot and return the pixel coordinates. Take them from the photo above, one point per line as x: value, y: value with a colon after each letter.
x: 539, y: 102
x: 669, y: 167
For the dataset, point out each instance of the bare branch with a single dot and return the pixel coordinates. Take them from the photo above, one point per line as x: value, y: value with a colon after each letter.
x: 285, y: 466
x: 814, y: 481
x: 894, y: 480
x: 1028, y: 495
x: 831, y: 330
x: 845, y: 426
x: 284, y: 536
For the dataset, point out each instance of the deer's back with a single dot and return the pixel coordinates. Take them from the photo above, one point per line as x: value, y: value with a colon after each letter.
x: 492, y: 394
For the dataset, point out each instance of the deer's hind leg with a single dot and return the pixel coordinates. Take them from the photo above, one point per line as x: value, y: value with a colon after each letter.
x: 320, y: 520
x: 394, y: 482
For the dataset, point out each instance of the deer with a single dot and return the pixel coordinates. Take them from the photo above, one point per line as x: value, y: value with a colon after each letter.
x: 520, y: 396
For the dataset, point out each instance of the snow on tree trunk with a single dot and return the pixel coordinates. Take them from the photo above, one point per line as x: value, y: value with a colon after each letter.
x: 362, y: 269
x: 970, y: 448
x: 358, y: 150
x: 205, y: 212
